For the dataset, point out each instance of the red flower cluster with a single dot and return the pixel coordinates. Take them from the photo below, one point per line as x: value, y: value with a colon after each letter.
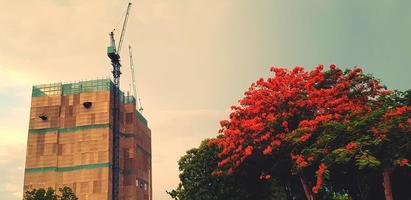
x: 299, y: 161
x: 248, y: 150
x: 305, y: 137
x: 320, y: 177
x: 267, y: 150
x: 265, y: 177
x: 398, y: 111
x: 403, y: 162
x: 394, y: 118
x: 350, y: 146
x: 274, y: 111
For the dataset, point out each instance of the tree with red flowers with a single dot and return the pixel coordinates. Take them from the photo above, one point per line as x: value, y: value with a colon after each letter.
x: 381, y: 138
x: 318, y: 119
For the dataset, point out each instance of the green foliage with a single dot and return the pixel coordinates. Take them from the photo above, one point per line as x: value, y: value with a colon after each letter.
x: 341, y: 155
x: 365, y: 159
x: 198, y: 183
x: 337, y: 196
x: 49, y: 194
x: 40, y: 194
x: 67, y: 194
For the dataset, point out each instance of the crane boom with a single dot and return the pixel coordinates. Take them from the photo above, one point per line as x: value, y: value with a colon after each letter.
x: 133, y: 76
x: 114, y: 53
x: 123, y: 30
x: 132, y: 72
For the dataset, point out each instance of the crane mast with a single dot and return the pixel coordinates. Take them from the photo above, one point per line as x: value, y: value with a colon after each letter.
x: 115, y: 60
x: 114, y: 54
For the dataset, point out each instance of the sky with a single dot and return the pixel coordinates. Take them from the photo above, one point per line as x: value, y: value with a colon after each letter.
x: 193, y: 60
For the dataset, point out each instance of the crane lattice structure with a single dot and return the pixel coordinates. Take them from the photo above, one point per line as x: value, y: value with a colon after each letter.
x: 138, y: 102
x: 114, y: 54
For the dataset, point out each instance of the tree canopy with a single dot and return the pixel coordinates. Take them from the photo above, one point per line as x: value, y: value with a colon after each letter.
x: 198, y: 183
x: 66, y: 193
x: 311, y: 123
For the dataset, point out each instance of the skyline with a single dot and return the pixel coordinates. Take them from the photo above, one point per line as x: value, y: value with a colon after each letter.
x: 193, y: 60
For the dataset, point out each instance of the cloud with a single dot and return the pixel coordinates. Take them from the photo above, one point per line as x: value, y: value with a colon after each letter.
x: 12, y: 171
x: 14, y: 78
x: 15, y: 90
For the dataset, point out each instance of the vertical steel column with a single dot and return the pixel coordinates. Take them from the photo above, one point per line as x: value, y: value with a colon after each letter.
x: 116, y: 132
x: 114, y: 55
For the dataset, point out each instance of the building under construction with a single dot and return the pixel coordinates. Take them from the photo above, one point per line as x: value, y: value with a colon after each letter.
x: 72, y: 142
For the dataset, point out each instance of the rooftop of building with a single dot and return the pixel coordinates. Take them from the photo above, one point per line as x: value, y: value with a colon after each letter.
x: 64, y: 89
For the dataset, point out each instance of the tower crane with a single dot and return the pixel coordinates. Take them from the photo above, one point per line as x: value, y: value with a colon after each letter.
x: 138, y: 104
x: 114, y: 54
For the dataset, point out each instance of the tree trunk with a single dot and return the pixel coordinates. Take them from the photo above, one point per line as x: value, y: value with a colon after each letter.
x: 387, y: 185
x: 307, y: 191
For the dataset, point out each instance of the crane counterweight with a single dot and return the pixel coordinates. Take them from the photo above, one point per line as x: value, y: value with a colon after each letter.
x: 114, y: 53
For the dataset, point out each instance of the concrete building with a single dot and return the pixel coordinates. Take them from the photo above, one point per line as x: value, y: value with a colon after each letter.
x: 70, y: 142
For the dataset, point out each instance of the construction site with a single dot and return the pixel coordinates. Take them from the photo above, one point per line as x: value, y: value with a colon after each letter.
x: 90, y: 136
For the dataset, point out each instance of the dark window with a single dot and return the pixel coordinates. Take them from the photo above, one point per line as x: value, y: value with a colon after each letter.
x: 60, y: 149
x: 129, y: 118
x: 70, y: 111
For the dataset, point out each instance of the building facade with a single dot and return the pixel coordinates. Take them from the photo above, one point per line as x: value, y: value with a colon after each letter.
x: 70, y: 142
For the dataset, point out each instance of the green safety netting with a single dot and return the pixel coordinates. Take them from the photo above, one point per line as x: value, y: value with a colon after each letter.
x: 66, y: 169
x: 141, y: 117
x: 63, y: 89
x: 87, y: 86
x: 47, y: 90
x: 129, y: 99
x: 69, y: 129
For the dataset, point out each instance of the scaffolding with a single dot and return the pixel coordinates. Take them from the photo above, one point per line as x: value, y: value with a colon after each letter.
x: 72, y: 144
x: 65, y: 89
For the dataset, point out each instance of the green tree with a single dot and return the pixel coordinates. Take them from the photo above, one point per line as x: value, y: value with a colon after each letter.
x: 40, y: 194
x: 67, y: 194
x: 198, y: 183
x: 50, y: 194
x: 322, y: 126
